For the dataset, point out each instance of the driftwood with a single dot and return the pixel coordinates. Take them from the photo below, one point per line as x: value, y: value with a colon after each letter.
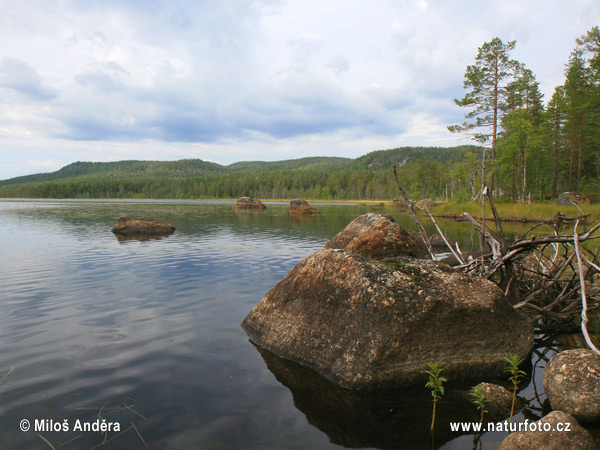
x: 553, y: 278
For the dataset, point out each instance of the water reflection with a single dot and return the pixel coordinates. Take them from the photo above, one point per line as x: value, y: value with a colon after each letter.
x: 141, y: 237
x: 398, y: 419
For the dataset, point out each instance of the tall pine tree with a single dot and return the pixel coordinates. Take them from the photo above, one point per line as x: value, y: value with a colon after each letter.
x: 486, y: 82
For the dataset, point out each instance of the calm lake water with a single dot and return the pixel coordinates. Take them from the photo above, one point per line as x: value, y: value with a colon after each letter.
x: 147, y: 334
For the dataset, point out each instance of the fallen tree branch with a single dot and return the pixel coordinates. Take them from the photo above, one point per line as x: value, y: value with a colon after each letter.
x: 584, y: 318
x: 458, y: 255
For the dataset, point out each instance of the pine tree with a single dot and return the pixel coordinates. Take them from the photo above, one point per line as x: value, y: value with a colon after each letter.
x: 578, y: 95
x: 486, y: 82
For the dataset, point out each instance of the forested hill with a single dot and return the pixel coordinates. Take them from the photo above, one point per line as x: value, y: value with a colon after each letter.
x: 366, y: 177
x: 123, y: 170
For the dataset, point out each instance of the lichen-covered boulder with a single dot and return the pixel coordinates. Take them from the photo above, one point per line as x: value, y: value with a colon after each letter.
x: 378, y: 236
x: 573, y: 198
x: 572, y: 383
x: 365, y: 324
x: 556, y: 431
x: 249, y: 203
x: 140, y: 226
x: 298, y: 206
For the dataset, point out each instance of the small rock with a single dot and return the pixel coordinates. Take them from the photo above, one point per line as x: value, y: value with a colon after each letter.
x: 378, y: 236
x: 249, y: 203
x: 550, y: 438
x: 142, y: 226
x: 570, y: 198
x: 499, y: 399
x: 437, y: 243
x: 298, y: 206
x: 572, y: 383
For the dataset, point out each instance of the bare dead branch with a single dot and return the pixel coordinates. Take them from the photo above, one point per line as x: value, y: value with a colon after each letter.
x: 584, y: 318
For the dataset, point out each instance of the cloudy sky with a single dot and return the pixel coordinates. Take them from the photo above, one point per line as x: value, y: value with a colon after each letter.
x: 234, y: 80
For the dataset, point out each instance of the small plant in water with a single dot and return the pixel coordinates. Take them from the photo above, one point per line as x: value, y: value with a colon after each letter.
x: 435, y: 383
x: 479, y: 400
x: 515, y: 374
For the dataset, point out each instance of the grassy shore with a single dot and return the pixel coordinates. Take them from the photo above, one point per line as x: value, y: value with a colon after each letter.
x: 519, y: 212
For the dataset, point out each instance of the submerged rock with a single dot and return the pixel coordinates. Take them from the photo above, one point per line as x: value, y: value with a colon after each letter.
x: 438, y: 244
x: 249, y: 203
x: 365, y: 324
x: 378, y: 236
x: 142, y: 226
x: 298, y: 206
x: 546, y: 434
x: 572, y: 383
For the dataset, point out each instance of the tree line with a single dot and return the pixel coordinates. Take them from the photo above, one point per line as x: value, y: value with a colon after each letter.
x: 534, y: 150
x: 369, y: 177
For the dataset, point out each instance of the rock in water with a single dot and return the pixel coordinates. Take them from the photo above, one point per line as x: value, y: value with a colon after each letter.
x: 378, y: 236
x: 249, y: 203
x: 298, y: 206
x: 498, y: 400
x: 545, y: 434
x: 573, y: 198
x: 364, y: 324
x: 142, y: 226
x: 572, y: 383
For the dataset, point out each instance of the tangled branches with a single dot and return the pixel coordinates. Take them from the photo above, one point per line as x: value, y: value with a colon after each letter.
x: 552, y: 278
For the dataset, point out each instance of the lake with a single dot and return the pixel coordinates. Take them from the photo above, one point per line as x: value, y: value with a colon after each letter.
x: 146, y: 334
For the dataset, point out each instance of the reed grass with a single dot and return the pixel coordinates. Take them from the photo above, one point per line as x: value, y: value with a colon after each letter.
x: 534, y: 212
x: 105, y: 410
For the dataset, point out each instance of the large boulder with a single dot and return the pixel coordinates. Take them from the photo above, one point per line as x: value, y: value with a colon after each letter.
x: 556, y: 431
x: 573, y: 198
x: 378, y: 236
x: 366, y: 324
x: 572, y: 383
x: 298, y: 206
x: 248, y: 203
x: 142, y: 226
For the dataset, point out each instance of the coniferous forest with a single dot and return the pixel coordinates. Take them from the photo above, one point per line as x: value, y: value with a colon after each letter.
x: 526, y: 148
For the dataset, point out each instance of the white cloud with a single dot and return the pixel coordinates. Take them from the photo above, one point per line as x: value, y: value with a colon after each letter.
x: 229, y: 79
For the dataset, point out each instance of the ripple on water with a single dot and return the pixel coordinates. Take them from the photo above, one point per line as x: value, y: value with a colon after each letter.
x: 87, y: 320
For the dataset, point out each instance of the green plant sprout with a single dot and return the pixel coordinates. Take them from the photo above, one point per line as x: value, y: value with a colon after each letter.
x: 480, y: 401
x: 515, y: 374
x: 435, y: 383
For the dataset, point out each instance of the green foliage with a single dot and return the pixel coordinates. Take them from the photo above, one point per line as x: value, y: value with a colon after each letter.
x: 486, y: 85
x: 480, y: 401
x: 515, y: 375
x: 536, y: 152
x: 435, y: 383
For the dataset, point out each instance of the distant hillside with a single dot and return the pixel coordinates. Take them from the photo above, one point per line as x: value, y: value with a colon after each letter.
x: 386, y: 159
x: 123, y: 170
x: 365, y: 177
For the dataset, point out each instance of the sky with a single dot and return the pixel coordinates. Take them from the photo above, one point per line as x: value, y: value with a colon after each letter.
x: 239, y: 80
